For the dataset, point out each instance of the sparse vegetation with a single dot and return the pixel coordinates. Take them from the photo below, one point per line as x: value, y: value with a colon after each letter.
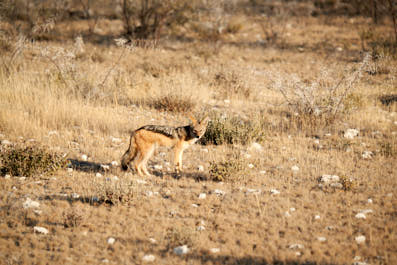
x: 292, y: 101
x: 29, y: 161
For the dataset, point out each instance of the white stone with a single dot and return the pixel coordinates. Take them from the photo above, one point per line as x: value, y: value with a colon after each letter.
x: 295, y: 168
x: 111, y: 240
x: 158, y: 167
x: 250, y: 165
x: 5, y: 142
x: 214, y: 250
x: 219, y: 192
x: 195, y: 205
x: 367, y: 155
x: 316, y: 141
x: 329, y: 178
x: 200, y: 168
x: 7, y: 176
x: 274, y: 192
x: 317, y: 217
x: 105, y: 167
x: 360, y: 239
x: 360, y: 216
x: 321, y: 239
x: 75, y: 196
x: 70, y: 170
x: 262, y: 172
x: 351, y: 133
x: 98, y: 175
x: 181, y: 250
x: 200, y: 228
x: 296, y: 246
x: 152, y: 240
x: 148, y: 258
x: 287, y: 214
x: 29, y: 203
x: 40, y: 229
x: 116, y: 140
x: 141, y: 181
x: 115, y: 163
x: 366, y: 211
x: 256, y: 146
x: 202, y: 196
x: 370, y: 200
x: 292, y: 209
x: 84, y: 157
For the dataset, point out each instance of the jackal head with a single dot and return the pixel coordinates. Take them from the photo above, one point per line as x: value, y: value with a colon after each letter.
x: 199, y: 128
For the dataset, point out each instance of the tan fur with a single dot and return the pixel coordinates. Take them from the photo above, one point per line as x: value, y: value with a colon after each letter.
x: 144, y: 140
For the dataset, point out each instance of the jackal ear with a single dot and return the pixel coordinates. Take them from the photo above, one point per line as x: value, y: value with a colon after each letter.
x: 205, y: 121
x: 194, y: 121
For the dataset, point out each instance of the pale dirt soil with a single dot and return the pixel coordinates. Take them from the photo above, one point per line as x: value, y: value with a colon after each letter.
x: 248, y: 223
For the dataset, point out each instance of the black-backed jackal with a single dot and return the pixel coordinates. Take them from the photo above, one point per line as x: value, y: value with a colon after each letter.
x: 144, y: 140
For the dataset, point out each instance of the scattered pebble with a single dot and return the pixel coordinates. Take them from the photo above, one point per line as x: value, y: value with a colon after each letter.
x: 351, y: 133
x: 70, y: 170
x: 274, y: 192
x: 295, y: 168
x: 158, y: 167
x: 370, y: 200
x: 84, y: 157
x: 148, y: 258
x: 256, y: 147
x: 111, y: 240
x: 152, y: 240
x: 367, y: 155
x: 250, y: 165
x: 181, y: 250
x: 329, y: 178
x: 202, y: 196
x: 105, y: 167
x: 75, y: 196
x: 7, y: 176
x: 361, y: 216
x: 287, y: 214
x: 214, y: 250
x: 40, y: 229
x: 29, y: 203
x: 296, y: 246
x: 262, y: 172
x: 141, y: 181
x: 195, y: 205
x: 200, y: 228
x: 219, y: 192
x: 115, y: 163
x: 200, y: 168
x: 360, y: 239
x: 116, y: 140
x: 317, y: 217
x: 321, y: 239
x: 98, y: 175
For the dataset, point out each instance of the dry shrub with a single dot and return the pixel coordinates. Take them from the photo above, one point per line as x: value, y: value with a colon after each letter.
x: 322, y: 99
x: 230, y: 169
x: 72, y: 218
x: 29, y: 161
x: 114, y: 191
x: 231, y: 84
x: 172, y: 103
x: 180, y: 236
x: 224, y: 130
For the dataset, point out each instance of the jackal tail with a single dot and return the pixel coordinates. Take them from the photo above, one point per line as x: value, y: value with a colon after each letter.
x: 130, y: 153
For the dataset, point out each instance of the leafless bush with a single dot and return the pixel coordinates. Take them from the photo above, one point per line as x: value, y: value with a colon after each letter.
x: 146, y: 18
x: 325, y: 96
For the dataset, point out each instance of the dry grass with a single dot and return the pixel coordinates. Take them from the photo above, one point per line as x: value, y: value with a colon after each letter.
x: 86, y: 101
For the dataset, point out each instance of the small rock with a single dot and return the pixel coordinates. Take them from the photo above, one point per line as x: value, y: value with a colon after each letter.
x: 5, y: 142
x: 40, y: 229
x: 29, y: 203
x: 152, y: 240
x: 292, y: 209
x: 370, y: 200
x: 256, y: 146
x: 116, y: 140
x: 158, y: 167
x: 367, y: 155
x: 367, y: 211
x: 295, y: 168
x: 219, y: 192
x: 317, y: 217
x: 38, y: 212
x: 195, y: 205
x: 200, y: 228
x: 287, y: 214
x: 115, y: 163
x: 70, y: 170
x: 321, y: 239
x: 351, y: 133
x: 296, y: 246
x: 111, y: 240
x: 75, y: 196
x: 105, y: 167
x: 274, y: 192
x: 262, y: 172
x: 360, y: 216
x: 202, y: 196
x: 105, y: 261
x: 214, y: 250
x: 7, y: 176
x: 148, y: 258
x: 329, y: 178
x: 98, y: 175
x: 141, y: 181
x: 84, y: 157
x: 181, y: 250
x: 200, y: 168
x: 250, y: 165
x: 360, y: 239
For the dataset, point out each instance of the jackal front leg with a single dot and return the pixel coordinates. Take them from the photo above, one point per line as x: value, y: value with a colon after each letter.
x: 178, y: 158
